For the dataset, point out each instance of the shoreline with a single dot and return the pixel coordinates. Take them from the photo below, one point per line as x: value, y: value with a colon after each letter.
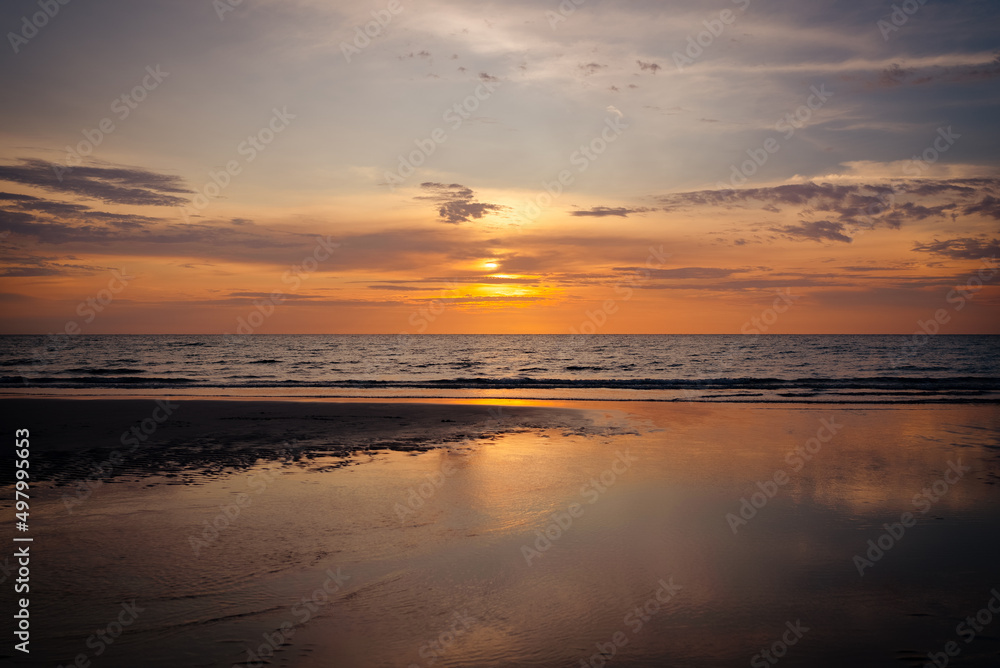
x: 511, y: 398
x: 183, y: 440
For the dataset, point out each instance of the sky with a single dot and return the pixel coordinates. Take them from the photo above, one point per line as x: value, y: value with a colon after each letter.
x: 725, y: 166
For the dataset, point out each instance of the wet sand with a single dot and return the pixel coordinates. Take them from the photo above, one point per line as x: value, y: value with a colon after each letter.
x: 318, y: 534
x: 188, y: 439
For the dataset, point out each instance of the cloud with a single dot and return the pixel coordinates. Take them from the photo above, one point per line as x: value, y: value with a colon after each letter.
x: 41, y: 222
x: 398, y: 288
x: 486, y: 280
x: 21, y: 272
x: 651, y: 67
x: 737, y: 285
x: 819, y: 230
x: 113, y: 185
x: 124, y: 232
x: 18, y: 263
x: 591, y: 68
x: 602, y: 211
x: 988, y: 206
x: 895, y: 75
x: 456, y: 202
x: 854, y: 204
x: 961, y: 248
x: 683, y: 272
x: 28, y: 203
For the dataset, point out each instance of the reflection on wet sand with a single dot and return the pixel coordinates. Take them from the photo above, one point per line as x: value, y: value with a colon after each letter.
x: 608, y: 541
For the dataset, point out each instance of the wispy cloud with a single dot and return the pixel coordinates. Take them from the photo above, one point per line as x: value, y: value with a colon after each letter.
x: 602, y: 211
x: 113, y: 185
x: 896, y: 75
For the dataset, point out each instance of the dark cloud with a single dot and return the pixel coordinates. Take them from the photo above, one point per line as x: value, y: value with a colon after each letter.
x: 405, y: 249
x: 988, y: 206
x: 17, y: 263
x: 21, y: 272
x: 249, y: 297
x: 9, y: 220
x: 894, y: 75
x: 398, y: 288
x: 591, y: 68
x: 514, y: 263
x: 288, y: 298
x: 113, y: 185
x: 962, y: 248
x: 493, y: 298
x: 815, y: 195
x: 818, y: 230
x: 490, y: 280
x: 64, y: 210
x: 651, y: 67
x: 853, y: 205
x: 51, y: 207
x: 856, y: 268
x: 601, y: 211
x: 43, y: 222
x: 744, y: 284
x: 483, y: 76
x: 456, y: 203
x: 59, y: 232
x: 909, y: 211
x: 683, y: 272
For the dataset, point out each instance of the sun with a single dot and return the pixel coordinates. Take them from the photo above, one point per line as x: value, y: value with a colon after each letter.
x: 491, y: 265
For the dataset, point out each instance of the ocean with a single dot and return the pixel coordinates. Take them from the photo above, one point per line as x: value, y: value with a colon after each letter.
x: 726, y: 368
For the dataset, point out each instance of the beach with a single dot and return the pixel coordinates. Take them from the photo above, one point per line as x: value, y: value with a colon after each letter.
x: 500, y: 335
x: 316, y: 533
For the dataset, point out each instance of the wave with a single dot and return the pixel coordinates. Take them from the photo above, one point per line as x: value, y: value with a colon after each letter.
x: 879, y: 384
x: 104, y: 372
x: 106, y: 381
x: 21, y: 361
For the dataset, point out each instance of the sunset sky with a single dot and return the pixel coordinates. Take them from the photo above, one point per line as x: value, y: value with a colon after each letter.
x: 177, y: 162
